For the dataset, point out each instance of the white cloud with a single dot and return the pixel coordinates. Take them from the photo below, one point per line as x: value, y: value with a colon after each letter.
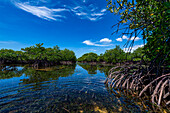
x: 83, y: 9
x: 81, y: 14
x: 136, y: 39
x: 133, y: 48
x: 90, y: 12
x: 88, y: 42
x: 92, y: 50
x: 103, y: 10
x: 12, y: 45
x: 77, y: 7
x: 126, y: 38
x: 42, y: 11
x: 97, y: 14
x: 8, y: 42
x: 105, y: 40
x: 119, y: 39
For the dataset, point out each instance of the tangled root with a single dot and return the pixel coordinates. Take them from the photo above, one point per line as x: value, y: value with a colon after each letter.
x: 138, y: 79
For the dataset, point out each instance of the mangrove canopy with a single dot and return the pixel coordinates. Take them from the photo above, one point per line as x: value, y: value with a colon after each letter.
x: 37, y: 56
x: 150, y: 18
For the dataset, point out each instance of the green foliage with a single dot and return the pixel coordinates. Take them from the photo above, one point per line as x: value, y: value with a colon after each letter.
x: 88, y: 57
x: 36, y: 53
x: 100, y: 58
x: 8, y: 54
x: 91, y: 69
x: 150, y: 17
x: 114, y: 55
x: 138, y: 53
x: 53, y: 54
x: 68, y: 55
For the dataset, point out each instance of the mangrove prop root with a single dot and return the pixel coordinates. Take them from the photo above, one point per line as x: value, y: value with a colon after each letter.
x: 162, y: 88
x: 166, y: 95
x: 156, y: 90
x: 168, y: 103
x: 152, y: 83
x: 141, y: 79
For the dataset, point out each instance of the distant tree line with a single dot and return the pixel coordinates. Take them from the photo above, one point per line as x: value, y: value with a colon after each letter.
x: 116, y: 55
x: 40, y: 56
x: 37, y: 56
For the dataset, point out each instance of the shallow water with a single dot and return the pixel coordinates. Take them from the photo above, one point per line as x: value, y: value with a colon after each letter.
x: 77, y: 88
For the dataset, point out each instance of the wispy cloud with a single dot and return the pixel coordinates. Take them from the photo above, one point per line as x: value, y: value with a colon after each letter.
x: 8, y: 42
x: 42, y: 11
x: 89, y: 12
x: 82, y: 9
x: 133, y: 48
x: 126, y: 38
x: 12, y: 45
x: 99, y: 43
x: 103, y: 10
x: 92, y: 50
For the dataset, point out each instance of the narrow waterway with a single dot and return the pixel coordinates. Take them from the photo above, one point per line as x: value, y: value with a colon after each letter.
x: 76, y: 88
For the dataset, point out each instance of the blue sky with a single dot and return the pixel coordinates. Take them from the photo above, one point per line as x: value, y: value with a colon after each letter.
x: 79, y: 25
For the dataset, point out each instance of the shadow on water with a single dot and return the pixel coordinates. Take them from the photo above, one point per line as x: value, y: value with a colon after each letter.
x: 63, y: 88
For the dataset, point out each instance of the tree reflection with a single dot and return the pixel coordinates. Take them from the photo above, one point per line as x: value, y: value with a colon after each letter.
x: 104, y: 69
x: 92, y: 69
x: 7, y: 72
x: 37, y: 76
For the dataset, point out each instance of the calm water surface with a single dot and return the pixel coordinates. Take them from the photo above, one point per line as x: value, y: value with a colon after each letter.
x: 77, y: 88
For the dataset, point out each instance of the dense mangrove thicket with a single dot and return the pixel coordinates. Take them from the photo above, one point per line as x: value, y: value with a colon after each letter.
x: 88, y: 57
x: 37, y: 56
x: 116, y: 55
x: 151, y: 19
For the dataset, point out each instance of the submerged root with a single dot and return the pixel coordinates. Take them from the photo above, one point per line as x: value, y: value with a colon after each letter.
x: 138, y: 78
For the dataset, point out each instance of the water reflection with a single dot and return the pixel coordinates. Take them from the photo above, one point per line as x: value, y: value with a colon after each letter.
x: 92, y: 69
x: 7, y: 72
x: 36, y: 76
x: 63, y: 88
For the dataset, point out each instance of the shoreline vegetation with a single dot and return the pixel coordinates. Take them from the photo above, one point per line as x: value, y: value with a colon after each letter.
x: 114, y: 56
x: 149, y: 19
x: 38, y: 56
